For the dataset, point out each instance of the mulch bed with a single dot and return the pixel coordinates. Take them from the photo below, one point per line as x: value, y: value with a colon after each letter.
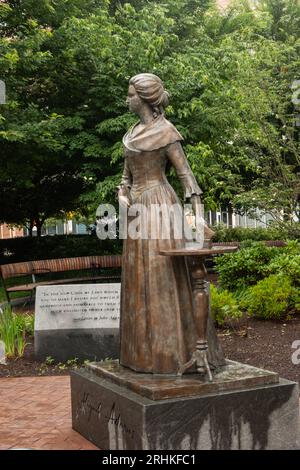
x: 265, y: 344
x: 28, y: 366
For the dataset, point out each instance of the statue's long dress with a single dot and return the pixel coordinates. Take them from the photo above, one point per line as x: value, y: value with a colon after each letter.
x: 158, y: 331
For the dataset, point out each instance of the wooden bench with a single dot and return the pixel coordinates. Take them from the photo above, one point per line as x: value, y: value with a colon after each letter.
x: 46, y: 267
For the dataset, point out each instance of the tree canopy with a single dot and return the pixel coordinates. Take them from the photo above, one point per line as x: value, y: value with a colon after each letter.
x: 231, y: 75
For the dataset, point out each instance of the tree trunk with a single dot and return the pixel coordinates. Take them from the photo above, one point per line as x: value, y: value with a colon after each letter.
x: 31, y: 225
x: 39, y: 224
x: 230, y: 213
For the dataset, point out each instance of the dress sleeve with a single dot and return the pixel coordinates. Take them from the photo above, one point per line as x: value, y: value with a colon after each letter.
x: 126, y: 179
x: 178, y: 159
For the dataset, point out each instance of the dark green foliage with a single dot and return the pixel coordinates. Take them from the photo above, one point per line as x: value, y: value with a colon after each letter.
x: 271, y: 298
x: 245, y: 267
x: 66, y: 64
x: 287, y: 263
x: 15, y: 250
x: 13, y: 329
x: 240, y: 234
x: 223, y: 306
x: 264, y: 281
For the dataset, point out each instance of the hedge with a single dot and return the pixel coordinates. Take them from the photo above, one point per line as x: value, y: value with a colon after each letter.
x: 14, y: 250
x: 241, y: 234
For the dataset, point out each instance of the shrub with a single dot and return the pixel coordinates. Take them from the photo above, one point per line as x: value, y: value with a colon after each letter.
x: 12, y: 333
x: 25, y: 322
x: 223, y: 306
x: 287, y: 230
x: 286, y: 265
x: 15, y: 250
x: 239, y: 234
x: 292, y: 247
x: 8, y: 331
x: 245, y: 267
x: 29, y: 324
x: 271, y: 298
x: 273, y: 232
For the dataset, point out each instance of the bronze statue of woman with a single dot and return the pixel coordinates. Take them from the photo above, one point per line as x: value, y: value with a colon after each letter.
x: 158, y: 329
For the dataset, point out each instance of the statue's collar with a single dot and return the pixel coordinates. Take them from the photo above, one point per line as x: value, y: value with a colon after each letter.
x: 157, y: 134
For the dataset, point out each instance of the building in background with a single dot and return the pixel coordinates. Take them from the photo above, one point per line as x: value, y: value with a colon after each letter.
x: 231, y: 219
x: 7, y: 231
x: 62, y: 227
x: 72, y: 227
x: 221, y: 216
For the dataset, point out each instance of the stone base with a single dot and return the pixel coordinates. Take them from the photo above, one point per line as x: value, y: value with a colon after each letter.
x: 114, y: 417
x: 93, y: 344
x: 232, y: 376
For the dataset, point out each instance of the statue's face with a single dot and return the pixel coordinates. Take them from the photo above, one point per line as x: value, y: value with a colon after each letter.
x: 133, y: 100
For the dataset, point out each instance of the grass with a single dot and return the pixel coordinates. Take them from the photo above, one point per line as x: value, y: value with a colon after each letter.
x: 13, y: 330
x: 13, y: 295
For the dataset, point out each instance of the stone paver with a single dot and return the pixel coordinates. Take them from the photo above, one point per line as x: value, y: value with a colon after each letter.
x: 35, y: 413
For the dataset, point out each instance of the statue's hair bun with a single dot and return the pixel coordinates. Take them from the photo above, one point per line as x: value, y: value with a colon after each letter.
x: 151, y: 89
x: 165, y: 99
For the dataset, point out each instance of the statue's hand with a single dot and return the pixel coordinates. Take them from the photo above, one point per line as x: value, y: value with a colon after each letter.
x: 196, y: 203
x: 123, y: 196
x: 199, y: 213
x: 208, y: 232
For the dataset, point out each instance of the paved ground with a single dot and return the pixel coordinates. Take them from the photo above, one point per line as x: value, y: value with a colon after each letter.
x: 35, y: 413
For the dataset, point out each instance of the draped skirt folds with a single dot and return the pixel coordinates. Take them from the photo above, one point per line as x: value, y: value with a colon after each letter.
x: 158, y: 330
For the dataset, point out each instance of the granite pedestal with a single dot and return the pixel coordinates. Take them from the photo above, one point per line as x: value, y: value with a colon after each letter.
x: 241, y: 416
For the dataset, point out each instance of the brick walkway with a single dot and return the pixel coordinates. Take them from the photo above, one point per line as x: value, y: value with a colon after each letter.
x: 35, y: 413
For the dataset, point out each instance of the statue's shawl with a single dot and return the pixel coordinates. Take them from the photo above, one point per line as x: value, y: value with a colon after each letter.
x: 157, y: 134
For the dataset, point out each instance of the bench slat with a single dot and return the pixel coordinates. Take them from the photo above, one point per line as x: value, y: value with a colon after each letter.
x: 60, y: 265
x: 27, y: 287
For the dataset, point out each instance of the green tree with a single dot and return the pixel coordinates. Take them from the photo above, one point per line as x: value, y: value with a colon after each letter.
x: 66, y: 65
x: 38, y: 177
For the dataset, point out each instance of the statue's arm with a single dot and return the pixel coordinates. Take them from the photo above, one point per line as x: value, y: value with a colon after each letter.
x: 178, y: 159
x: 191, y: 188
x: 126, y: 179
x: 125, y: 185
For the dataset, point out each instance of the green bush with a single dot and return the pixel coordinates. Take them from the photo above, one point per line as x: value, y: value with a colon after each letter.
x: 25, y: 322
x: 246, y: 266
x: 239, y: 234
x: 273, y: 232
x: 286, y: 265
x: 15, y: 250
x: 292, y: 247
x: 287, y: 230
x: 223, y: 306
x: 12, y: 332
x: 271, y: 298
